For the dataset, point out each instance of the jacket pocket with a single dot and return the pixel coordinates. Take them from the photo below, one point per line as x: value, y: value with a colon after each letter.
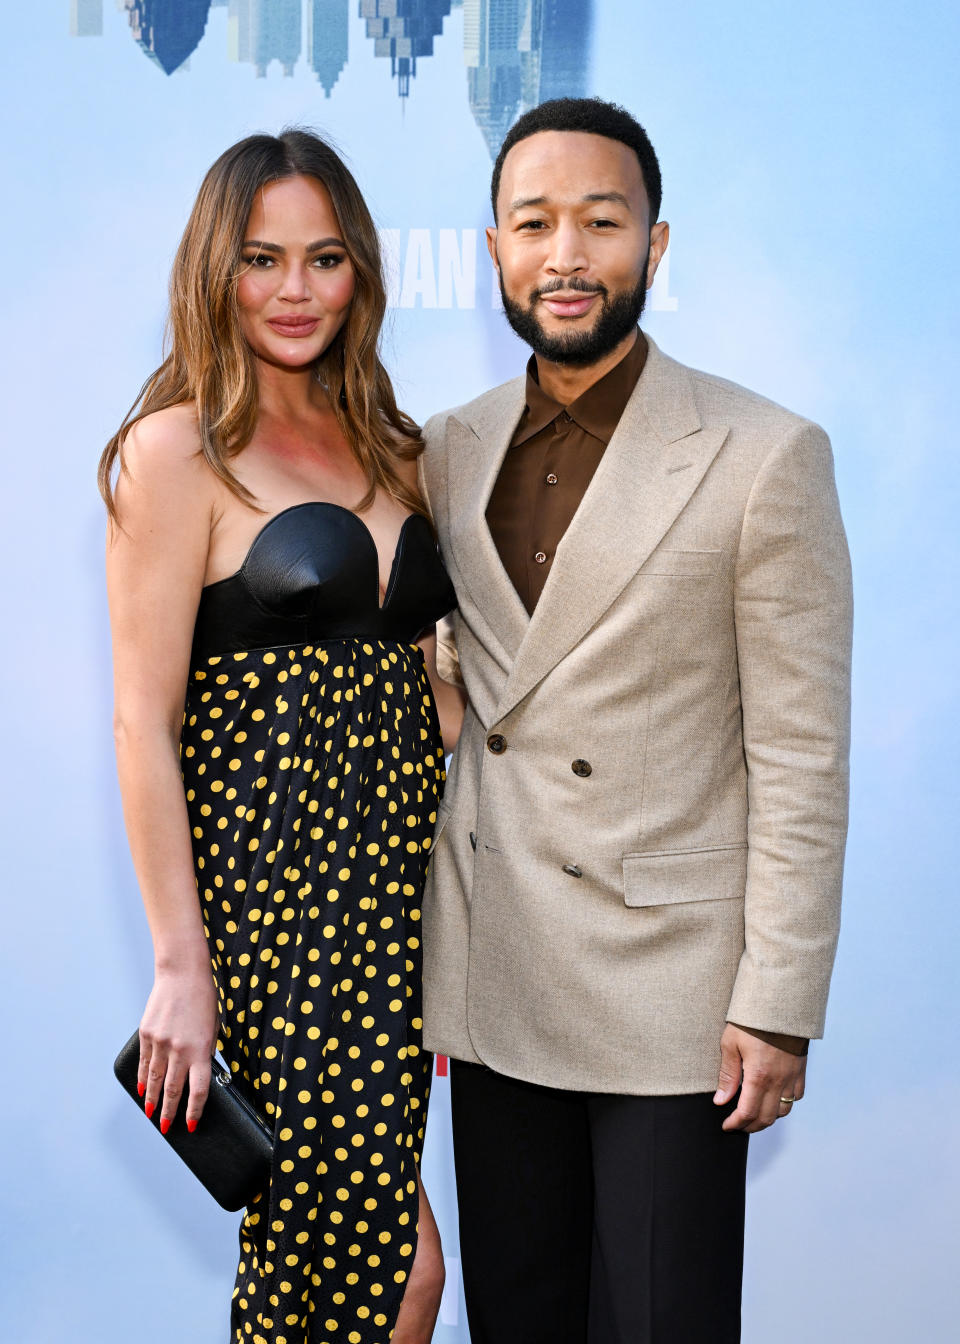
x: 672, y: 877
x: 682, y: 564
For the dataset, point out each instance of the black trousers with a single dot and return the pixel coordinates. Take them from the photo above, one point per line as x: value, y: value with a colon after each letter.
x: 587, y: 1218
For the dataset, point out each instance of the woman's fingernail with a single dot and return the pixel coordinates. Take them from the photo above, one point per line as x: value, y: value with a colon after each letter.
x: 148, y: 1107
x: 165, y: 1124
x: 141, y: 1088
x: 192, y: 1126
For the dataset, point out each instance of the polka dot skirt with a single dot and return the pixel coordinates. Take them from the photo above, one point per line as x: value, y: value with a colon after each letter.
x: 312, y: 777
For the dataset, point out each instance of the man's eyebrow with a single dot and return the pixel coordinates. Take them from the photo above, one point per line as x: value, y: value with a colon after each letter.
x: 614, y: 197
x: 525, y: 202
x: 311, y: 247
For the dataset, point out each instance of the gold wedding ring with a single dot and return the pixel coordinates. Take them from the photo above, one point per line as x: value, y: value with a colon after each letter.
x: 787, y: 1101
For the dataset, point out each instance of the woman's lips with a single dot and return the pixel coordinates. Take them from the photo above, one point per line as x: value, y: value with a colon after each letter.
x: 572, y: 306
x: 294, y: 326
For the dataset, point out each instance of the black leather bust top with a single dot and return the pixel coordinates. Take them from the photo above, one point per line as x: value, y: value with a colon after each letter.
x: 311, y: 574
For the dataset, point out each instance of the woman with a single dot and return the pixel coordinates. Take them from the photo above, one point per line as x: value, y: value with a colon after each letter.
x: 270, y: 566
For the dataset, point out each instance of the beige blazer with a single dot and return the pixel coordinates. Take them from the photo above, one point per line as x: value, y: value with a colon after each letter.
x: 643, y: 830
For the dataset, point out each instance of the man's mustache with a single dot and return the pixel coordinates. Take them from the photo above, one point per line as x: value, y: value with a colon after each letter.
x: 581, y: 286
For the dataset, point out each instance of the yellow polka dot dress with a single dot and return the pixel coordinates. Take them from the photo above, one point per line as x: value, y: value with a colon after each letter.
x: 313, y: 768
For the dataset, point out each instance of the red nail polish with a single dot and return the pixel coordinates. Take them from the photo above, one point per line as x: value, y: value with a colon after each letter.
x: 192, y: 1126
x: 148, y: 1107
x: 164, y: 1125
x: 141, y: 1088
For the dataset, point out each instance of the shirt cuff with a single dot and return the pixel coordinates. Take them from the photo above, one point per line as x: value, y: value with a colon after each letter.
x: 794, y: 1045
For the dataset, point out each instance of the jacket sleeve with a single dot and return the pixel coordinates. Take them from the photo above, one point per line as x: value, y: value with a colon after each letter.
x: 793, y: 615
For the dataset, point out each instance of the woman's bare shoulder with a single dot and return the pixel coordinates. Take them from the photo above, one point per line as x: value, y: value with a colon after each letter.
x: 168, y: 436
x: 163, y: 462
x: 406, y: 451
x: 406, y: 469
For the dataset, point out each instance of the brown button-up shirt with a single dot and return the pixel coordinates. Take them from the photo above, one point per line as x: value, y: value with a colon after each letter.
x: 552, y: 457
x: 550, y: 462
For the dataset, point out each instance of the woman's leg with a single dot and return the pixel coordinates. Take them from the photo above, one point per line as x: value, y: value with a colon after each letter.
x: 421, y: 1301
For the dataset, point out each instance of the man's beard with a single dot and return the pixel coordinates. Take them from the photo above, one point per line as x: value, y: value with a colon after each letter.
x: 619, y: 315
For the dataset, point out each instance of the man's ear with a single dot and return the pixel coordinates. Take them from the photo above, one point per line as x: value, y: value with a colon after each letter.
x: 659, y: 238
x: 492, y: 247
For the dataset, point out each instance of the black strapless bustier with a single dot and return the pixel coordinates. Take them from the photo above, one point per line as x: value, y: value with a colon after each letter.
x: 312, y: 574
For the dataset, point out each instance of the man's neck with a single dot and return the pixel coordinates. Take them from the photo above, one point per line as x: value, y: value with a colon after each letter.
x: 564, y: 383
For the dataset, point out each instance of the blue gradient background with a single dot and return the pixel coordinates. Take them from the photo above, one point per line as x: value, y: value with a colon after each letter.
x: 809, y: 164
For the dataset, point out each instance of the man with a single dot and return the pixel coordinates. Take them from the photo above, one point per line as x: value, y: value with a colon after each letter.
x: 633, y: 904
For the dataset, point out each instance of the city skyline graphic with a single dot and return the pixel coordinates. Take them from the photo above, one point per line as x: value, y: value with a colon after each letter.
x: 516, y: 53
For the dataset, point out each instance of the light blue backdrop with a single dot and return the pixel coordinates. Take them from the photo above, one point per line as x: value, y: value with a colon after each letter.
x: 809, y: 165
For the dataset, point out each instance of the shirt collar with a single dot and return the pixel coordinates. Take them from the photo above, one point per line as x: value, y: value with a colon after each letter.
x: 597, y: 411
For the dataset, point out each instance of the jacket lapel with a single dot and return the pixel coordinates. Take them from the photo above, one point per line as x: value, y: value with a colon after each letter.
x: 475, y: 452
x: 654, y: 462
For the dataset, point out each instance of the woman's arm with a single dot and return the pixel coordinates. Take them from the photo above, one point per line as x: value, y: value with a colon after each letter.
x: 449, y: 700
x: 155, y: 567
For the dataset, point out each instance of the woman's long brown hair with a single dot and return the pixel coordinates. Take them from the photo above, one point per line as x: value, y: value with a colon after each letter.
x: 209, y: 361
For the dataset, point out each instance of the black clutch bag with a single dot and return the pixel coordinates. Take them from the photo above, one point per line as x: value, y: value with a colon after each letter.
x: 230, y: 1150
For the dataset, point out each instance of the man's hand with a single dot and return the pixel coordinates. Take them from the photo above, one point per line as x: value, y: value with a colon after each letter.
x: 764, y: 1075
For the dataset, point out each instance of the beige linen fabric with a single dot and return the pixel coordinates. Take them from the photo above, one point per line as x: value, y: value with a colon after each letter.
x: 692, y: 645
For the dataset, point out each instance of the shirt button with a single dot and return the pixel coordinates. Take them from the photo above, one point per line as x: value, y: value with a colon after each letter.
x: 541, y: 557
x: 496, y: 743
x: 551, y: 478
x: 572, y: 870
x: 582, y: 768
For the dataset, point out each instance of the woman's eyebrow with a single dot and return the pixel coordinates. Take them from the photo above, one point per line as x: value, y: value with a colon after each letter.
x: 311, y: 247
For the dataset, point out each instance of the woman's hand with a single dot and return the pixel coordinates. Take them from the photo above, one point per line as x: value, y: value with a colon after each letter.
x: 177, y: 1036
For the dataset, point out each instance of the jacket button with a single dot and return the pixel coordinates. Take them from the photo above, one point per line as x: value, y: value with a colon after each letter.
x: 473, y: 840
x: 582, y: 768
x: 496, y: 743
x: 572, y: 870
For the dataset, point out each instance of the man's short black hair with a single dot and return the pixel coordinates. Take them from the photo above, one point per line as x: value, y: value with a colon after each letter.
x: 595, y: 117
